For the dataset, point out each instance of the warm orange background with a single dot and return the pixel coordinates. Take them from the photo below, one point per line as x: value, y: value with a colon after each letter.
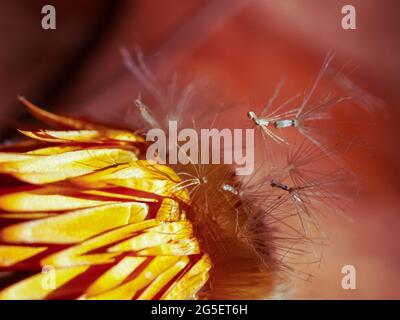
x: 243, y: 47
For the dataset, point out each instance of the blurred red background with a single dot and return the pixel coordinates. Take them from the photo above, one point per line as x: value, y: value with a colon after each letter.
x: 243, y: 47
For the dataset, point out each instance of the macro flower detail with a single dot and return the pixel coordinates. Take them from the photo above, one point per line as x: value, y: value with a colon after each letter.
x: 80, y: 202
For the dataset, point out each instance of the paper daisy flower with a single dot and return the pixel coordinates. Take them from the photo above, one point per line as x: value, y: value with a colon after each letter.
x: 83, y: 217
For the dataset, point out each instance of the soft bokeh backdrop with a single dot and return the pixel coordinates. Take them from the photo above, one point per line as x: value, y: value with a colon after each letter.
x: 243, y: 47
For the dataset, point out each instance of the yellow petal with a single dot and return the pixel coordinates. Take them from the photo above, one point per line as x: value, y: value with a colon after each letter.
x: 46, y: 169
x: 12, y: 156
x: 163, y: 279
x: 121, y: 196
x: 169, y: 211
x: 191, y: 282
x: 53, y: 150
x: 114, y: 276
x: 139, y: 175
x: 36, y: 287
x: 75, y: 226
x: 181, y: 247
x: 54, y: 119
x: 79, y: 254
x: 25, y: 216
x: 155, y: 236
x: 128, y: 290
x: 44, y: 199
x: 86, y: 136
x: 10, y: 255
